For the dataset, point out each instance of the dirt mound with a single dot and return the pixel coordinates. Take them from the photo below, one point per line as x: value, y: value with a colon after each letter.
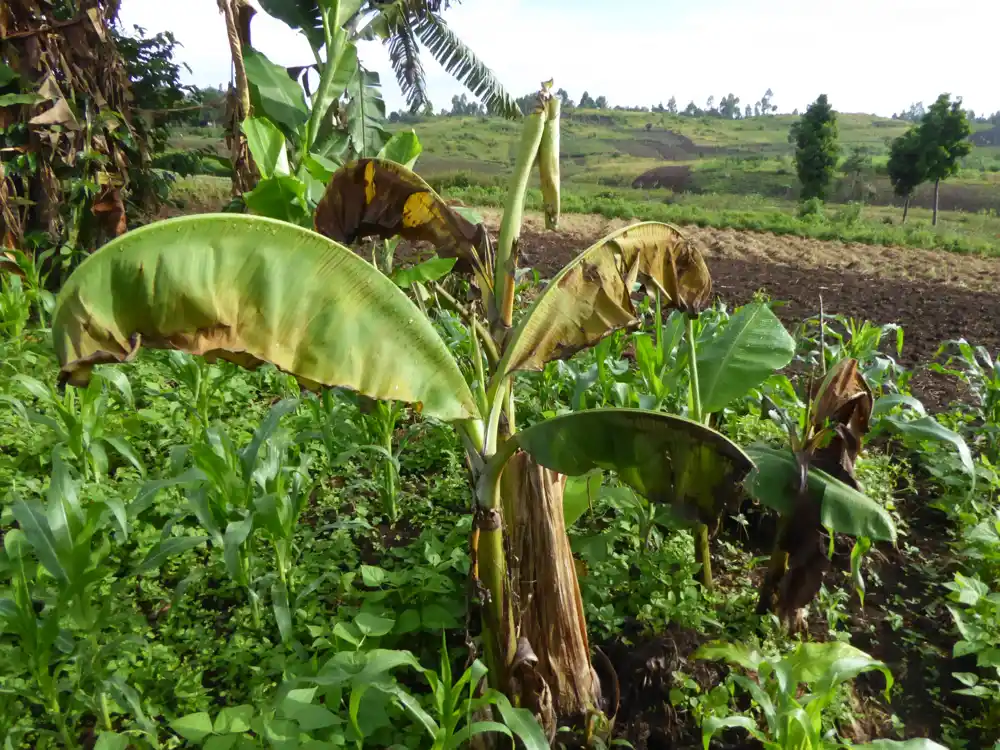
x: 674, y: 178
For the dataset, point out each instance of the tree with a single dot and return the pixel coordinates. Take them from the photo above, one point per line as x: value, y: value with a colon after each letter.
x: 710, y: 105
x: 906, y: 166
x: 748, y: 113
x: 563, y: 95
x: 856, y: 166
x: 672, y: 105
x: 914, y: 113
x: 816, y: 149
x: 944, y: 133
x: 729, y: 107
x: 73, y: 146
x: 765, y: 103
x: 601, y: 102
x: 462, y: 107
x: 586, y: 102
x: 691, y: 110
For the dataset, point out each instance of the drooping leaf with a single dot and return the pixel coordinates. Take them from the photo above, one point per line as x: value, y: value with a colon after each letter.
x: 884, y: 404
x: 459, y: 61
x: 253, y: 290
x: 666, y: 459
x: 751, y: 346
x: 834, y: 662
x: 844, y: 509
x: 734, y: 653
x: 282, y: 613
x: 590, y: 297
x: 378, y: 198
x: 928, y: 428
x: 274, y: 93
x: 844, y: 404
x: 30, y: 516
x: 267, y: 144
x: 403, y: 148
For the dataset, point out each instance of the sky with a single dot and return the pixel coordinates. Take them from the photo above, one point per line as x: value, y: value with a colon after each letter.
x: 874, y: 56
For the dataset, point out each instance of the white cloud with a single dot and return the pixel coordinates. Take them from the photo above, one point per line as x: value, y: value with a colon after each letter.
x: 867, y: 55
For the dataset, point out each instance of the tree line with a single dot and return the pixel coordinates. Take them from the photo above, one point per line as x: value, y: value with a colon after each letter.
x: 931, y: 150
x: 728, y: 107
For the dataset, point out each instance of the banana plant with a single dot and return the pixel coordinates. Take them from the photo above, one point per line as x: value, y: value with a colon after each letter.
x: 252, y: 290
x: 810, y: 483
x: 298, y: 136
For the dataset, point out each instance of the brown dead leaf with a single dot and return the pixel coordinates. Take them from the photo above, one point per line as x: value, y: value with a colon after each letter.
x: 59, y: 114
x: 379, y: 198
x: 844, y: 402
x: 110, y: 211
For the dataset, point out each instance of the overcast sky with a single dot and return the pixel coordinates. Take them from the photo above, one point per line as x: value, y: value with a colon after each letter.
x: 875, y: 56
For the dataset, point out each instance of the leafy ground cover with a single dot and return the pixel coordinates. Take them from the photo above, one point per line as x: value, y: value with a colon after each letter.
x: 197, y: 555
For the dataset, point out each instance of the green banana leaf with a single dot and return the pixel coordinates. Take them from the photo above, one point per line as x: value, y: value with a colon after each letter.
x: 590, y: 297
x: 751, y: 346
x: 251, y: 290
x: 403, y: 148
x: 665, y: 458
x: 274, y: 93
x: 844, y: 509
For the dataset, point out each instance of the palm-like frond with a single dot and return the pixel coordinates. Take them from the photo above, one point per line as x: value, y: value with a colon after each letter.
x: 462, y: 63
x: 404, y: 56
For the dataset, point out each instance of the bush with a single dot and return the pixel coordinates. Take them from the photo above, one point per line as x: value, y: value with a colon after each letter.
x: 811, y: 208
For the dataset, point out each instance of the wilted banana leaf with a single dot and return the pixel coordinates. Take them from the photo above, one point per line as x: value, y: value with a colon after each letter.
x: 665, y: 458
x: 843, y: 509
x: 379, y: 198
x: 591, y: 296
x: 252, y: 290
x: 751, y: 346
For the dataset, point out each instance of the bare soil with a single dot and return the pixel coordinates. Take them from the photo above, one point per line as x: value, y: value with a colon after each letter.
x: 934, y: 295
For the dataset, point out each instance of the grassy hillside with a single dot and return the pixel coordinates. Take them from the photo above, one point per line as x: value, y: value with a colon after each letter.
x: 697, y: 155
x: 706, y: 171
